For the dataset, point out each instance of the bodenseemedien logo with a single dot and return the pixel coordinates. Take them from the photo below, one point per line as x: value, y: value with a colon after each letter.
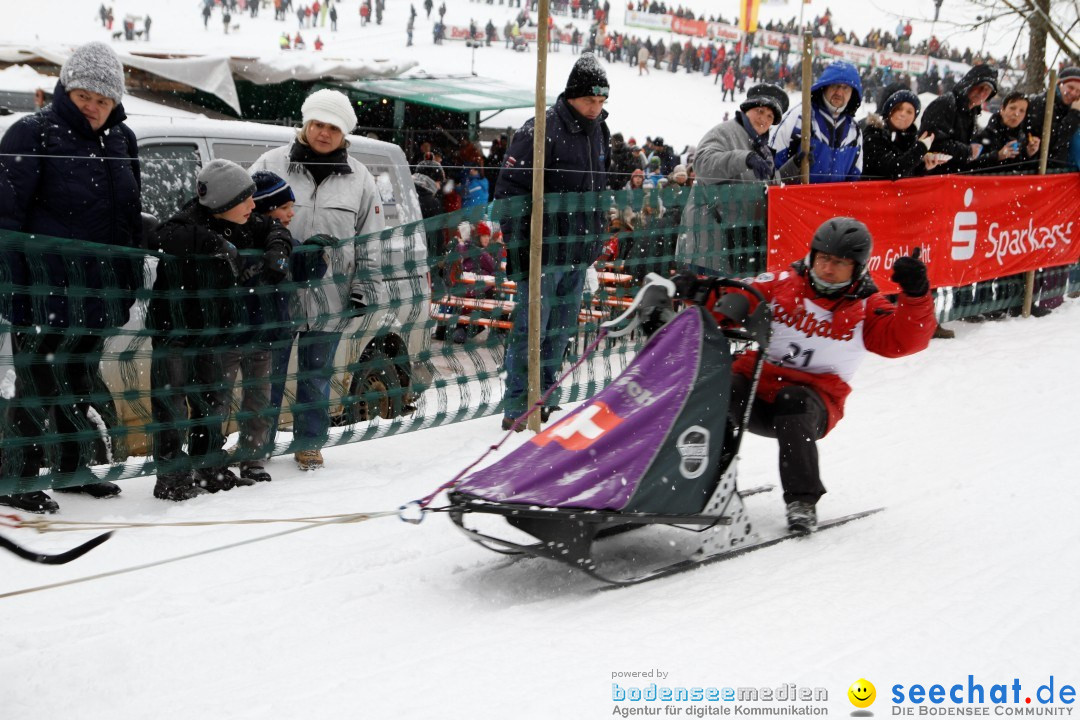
x: 862, y: 694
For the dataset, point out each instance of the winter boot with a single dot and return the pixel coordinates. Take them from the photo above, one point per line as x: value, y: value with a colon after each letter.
x: 254, y: 470
x: 1040, y: 311
x: 545, y: 412
x: 309, y: 459
x: 508, y: 422
x: 177, y: 487
x: 34, y: 502
x: 460, y: 335
x: 94, y: 490
x: 801, y: 517
x: 217, y: 479
x: 943, y: 333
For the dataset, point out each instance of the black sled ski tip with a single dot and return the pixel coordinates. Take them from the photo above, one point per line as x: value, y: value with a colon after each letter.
x: 58, y: 558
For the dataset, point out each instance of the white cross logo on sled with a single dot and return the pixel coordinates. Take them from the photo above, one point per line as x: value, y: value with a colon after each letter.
x: 579, y: 431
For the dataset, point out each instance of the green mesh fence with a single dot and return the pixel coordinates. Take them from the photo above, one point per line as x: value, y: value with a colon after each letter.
x: 87, y: 381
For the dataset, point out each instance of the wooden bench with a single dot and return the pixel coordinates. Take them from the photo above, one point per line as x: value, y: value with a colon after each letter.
x: 612, y: 299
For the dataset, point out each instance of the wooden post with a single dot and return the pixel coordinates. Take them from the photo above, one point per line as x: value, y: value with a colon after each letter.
x: 536, y: 238
x: 1044, y: 157
x: 807, y: 81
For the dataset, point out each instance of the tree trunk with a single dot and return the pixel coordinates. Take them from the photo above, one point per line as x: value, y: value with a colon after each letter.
x: 1035, y: 71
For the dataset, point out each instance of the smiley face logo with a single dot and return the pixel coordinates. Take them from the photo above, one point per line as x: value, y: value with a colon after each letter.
x: 862, y: 693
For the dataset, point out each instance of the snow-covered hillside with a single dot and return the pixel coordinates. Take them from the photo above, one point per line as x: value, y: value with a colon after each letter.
x: 679, y: 107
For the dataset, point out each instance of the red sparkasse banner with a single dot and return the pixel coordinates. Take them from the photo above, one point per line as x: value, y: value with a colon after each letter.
x: 970, y: 228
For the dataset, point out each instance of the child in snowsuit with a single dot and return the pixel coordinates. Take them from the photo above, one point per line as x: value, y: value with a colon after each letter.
x: 198, y: 312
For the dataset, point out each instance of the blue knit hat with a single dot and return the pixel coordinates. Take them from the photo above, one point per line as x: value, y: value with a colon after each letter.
x: 271, y: 191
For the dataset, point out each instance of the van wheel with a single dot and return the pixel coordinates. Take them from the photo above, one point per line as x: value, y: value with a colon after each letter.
x: 375, y: 390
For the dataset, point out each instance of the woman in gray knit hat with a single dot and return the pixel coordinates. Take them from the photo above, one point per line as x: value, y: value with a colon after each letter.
x: 74, y: 171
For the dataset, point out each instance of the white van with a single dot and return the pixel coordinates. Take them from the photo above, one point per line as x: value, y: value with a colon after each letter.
x: 380, y: 358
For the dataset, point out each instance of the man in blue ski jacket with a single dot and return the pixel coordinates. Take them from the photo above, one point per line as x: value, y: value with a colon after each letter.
x: 836, y: 143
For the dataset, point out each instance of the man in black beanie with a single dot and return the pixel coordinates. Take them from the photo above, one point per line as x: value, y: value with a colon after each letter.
x: 577, y: 155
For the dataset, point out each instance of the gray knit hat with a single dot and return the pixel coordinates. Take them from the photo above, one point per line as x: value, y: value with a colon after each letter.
x: 94, y: 67
x: 222, y: 185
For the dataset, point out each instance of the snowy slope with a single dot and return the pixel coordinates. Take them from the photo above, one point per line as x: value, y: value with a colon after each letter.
x: 971, y: 570
x: 679, y: 107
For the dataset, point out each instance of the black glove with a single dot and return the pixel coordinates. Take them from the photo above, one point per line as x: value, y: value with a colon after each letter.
x: 322, y: 240
x: 799, y: 155
x: 909, y: 272
x: 275, y: 267
x: 762, y: 166
x: 686, y: 284
x: 357, y: 304
x: 691, y: 288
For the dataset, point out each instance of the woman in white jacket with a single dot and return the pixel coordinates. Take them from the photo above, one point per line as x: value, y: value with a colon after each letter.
x: 336, y: 197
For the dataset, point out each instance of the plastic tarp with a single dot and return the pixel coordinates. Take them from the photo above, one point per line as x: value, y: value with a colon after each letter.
x: 214, y: 74
x: 649, y: 442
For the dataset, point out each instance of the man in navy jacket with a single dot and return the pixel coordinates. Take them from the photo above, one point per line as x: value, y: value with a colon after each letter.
x: 577, y: 152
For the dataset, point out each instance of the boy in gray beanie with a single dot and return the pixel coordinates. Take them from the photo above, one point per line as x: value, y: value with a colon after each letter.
x: 206, y: 332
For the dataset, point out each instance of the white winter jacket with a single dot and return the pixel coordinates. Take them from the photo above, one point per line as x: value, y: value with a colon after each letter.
x: 346, y: 206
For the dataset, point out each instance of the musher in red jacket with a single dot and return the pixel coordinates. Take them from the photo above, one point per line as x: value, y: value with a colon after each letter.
x: 827, y: 314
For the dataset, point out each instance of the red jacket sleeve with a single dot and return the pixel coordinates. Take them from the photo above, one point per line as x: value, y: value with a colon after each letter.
x: 901, y: 329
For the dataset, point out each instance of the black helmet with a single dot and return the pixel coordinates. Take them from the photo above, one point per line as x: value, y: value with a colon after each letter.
x: 843, y: 237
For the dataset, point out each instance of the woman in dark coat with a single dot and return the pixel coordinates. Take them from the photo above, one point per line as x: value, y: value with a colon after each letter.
x: 892, y: 145
x: 1006, y: 143
x: 74, y: 173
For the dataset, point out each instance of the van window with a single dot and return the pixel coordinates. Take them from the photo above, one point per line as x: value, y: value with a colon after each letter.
x: 168, y: 177
x: 243, y: 154
x: 380, y: 168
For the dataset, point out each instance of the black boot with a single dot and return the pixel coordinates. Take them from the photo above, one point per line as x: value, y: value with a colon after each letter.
x: 254, y: 471
x: 217, y: 479
x: 545, y: 412
x: 177, y: 487
x: 34, y: 502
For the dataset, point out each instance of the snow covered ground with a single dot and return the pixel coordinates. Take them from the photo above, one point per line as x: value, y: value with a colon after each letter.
x: 972, y: 570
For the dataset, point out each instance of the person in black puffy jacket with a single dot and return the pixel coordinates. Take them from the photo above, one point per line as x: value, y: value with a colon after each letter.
x: 206, y: 322
x: 74, y: 191
x: 893, y: 148
x: 951, y: 119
